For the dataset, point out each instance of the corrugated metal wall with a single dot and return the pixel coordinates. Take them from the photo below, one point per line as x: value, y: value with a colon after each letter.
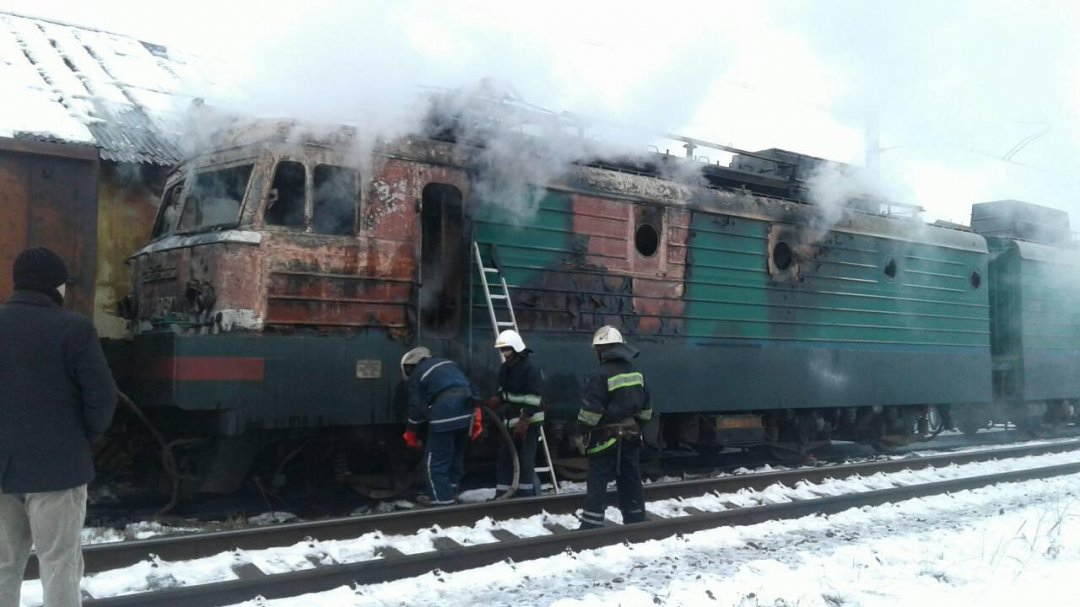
x: 838, y: 288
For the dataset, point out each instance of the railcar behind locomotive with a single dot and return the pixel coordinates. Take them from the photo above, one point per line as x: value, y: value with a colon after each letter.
x: 284, y: 279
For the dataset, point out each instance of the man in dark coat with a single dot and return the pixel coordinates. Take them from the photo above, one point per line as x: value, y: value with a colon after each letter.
x: 56, y: 396
x: 440, y: 395
x: 613, y: 407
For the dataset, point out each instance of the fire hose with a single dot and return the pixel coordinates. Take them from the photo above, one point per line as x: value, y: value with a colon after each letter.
x: 509, y: 440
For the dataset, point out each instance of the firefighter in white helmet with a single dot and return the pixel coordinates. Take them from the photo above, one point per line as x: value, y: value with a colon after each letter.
x: 520, y: 388
x: 615, y: 404
x: 440, y: 395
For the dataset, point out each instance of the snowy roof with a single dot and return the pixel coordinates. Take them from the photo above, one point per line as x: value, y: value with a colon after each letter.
x: 78, y: 85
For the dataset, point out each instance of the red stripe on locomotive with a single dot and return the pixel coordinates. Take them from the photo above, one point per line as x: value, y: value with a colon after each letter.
x: 192, y: 368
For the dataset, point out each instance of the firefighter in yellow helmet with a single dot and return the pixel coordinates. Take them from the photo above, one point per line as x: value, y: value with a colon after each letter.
x: 614, y: 406
x: 520, y: 387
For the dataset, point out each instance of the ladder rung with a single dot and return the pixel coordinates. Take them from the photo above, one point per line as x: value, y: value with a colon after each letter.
x: 493, y: 296
x: 503, y: 323
x: 495, y: 270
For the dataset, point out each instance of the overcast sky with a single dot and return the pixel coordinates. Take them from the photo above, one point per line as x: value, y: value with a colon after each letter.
x: 974, y: 100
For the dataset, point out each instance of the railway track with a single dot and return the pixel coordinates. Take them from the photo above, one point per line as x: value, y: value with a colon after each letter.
x: 450, y: 556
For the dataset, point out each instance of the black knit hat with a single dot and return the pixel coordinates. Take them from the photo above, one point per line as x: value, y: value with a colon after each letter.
x: 39, y: 269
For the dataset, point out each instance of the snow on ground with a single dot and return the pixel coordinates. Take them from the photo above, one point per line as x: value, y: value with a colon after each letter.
x: 133, y: 531
x: 1040, y: 515
x: 1004, y: 545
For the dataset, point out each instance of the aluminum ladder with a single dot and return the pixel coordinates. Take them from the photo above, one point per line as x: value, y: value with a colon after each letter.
x: 496, y: 290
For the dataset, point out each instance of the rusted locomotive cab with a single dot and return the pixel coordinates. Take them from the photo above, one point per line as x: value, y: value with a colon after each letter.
x: 277, y: 288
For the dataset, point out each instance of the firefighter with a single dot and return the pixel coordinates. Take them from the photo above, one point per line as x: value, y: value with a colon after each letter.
x: 440, y: 395
x: 520, y: 383
x: 614, y: 406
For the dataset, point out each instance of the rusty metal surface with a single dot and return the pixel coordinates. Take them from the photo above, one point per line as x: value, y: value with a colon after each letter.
x: 50, y: 201
x: 293, y: 277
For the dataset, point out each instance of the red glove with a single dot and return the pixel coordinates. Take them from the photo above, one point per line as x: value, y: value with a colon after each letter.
x: 477, y: 424
x: 411, y: 440
x: 520, y: 428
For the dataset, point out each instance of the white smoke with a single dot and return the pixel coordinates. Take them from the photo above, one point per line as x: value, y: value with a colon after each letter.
x: 969, y: 95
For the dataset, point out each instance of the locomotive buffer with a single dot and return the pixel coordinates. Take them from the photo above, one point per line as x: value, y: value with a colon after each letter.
x: 502, y: 294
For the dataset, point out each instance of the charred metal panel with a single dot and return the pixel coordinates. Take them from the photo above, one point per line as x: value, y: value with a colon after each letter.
x: 50, y: 201
x: 302, y: 296
x: 605, y: 225
x: 190, y: 287
x: 575, y: 265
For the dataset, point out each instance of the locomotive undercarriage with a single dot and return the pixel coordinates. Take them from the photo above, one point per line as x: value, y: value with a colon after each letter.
x: 792, y: 434
x: 372, y: 462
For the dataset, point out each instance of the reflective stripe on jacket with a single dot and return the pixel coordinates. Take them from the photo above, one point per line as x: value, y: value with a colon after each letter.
x: 521, y: 384
x: 614, y: 394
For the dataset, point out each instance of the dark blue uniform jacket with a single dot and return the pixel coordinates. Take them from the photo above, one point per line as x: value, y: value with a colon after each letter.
x: 440, y: 394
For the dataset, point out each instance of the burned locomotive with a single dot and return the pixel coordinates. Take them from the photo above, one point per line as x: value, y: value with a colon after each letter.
x: 285, y: 277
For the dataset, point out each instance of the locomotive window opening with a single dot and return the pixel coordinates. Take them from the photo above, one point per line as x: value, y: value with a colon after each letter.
x: 443, y: 259
x: 646, y: 240
x: 335, y: 200
x: 782, y: 255
x: 890, y: 268
x: 285, y: 202
x: 976, y: 280
x: 169, y: 215
x: 214, y: 199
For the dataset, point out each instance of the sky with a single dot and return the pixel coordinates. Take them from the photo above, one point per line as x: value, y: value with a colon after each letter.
x: 971, y: 100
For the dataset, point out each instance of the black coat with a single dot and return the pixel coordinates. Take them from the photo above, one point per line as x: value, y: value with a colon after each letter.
x: 615, y: 392
x: 56, y: 395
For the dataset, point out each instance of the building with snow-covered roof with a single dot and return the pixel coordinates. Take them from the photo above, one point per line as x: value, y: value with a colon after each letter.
x: 89, y: 128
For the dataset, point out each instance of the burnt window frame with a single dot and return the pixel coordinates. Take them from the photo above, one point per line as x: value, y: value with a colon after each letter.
x: 177, y: 187
x: 447, y: 325
x: 356, y: 198
x: 193, y: 176
x: 308, y: 224
x: 305, y: 212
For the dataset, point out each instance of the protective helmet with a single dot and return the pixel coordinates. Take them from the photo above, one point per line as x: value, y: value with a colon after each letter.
x: 510, y: 339
x: 607, y: 334
x: 413, y: 358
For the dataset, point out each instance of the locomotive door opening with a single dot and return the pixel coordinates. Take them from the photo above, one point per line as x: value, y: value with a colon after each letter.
x: 444, y: 261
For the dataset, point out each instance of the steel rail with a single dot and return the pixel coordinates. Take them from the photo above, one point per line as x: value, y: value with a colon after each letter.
x: 452, y: 557
x: 113, y: 555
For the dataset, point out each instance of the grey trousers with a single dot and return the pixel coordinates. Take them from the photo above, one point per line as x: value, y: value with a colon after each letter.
x: 52, y: 521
